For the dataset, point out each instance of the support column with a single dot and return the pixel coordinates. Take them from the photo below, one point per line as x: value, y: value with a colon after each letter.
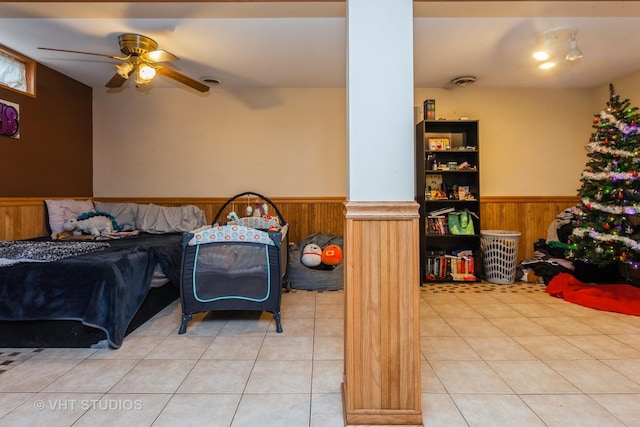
x: 382, y: 337
x: 382, y: 320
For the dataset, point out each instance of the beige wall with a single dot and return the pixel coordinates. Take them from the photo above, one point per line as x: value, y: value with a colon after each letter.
x: 627, y: 87
x: 292, y: 142
x: 531, y: 141
x: 172, y: 142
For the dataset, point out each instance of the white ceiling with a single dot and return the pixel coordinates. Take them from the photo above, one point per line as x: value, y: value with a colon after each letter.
x: 303, y: 44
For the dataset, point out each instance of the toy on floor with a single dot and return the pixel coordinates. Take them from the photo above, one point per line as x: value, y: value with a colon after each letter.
x: 332, y: 255
x: 311, y: 255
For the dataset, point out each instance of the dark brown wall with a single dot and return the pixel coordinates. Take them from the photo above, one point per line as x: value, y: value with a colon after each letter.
x: 53, y: 157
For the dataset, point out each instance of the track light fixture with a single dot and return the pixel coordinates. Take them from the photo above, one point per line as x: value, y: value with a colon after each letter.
x: 552, y: 44
x: 574, y: 53
x: 542, y: 54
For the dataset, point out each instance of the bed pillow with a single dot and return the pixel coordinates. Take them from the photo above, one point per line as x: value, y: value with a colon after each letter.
x: 123, y: 213
x: 164, y: 219
x: 61, y: 210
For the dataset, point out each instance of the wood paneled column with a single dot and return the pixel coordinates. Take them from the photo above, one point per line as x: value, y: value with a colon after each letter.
x: 382, y: 337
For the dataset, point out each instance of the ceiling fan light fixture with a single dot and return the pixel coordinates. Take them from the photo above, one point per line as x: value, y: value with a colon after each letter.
x: 142, y: 53
x: 124, y: 69
x: 145, y: 73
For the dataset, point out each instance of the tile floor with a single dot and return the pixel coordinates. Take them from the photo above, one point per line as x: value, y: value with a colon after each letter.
x: 493, y: 355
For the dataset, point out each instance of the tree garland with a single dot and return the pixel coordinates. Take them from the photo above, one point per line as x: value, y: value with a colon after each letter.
x: 603, y: 237
x: 619, y: 210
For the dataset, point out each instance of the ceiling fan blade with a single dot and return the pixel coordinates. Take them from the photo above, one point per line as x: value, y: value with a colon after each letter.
x: 159, y: 56
x: 121, y: 58
x: 173, y: 74
x: 123, y: 73
x: 116, y: 81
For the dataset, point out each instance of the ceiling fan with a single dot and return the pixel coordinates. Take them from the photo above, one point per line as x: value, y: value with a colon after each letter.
x: 141, y: 57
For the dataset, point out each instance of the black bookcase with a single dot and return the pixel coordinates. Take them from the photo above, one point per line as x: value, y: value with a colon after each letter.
x: 448, y: 180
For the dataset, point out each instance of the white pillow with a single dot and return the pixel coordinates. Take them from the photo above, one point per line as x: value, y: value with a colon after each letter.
x: 158, y: 219
x: 123, y: 213
x: 62, y: 210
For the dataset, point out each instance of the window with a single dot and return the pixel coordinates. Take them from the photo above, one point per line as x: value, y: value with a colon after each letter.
x: 16, y: 71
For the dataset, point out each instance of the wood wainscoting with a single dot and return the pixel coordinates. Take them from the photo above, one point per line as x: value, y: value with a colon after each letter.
x: 24, y: 218
x: 531, y: 216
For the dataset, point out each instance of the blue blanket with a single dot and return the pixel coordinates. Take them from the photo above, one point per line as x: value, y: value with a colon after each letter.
x: 102, y: 289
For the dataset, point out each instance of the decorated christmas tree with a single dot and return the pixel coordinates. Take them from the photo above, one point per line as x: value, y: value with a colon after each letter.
x: 608, y: 229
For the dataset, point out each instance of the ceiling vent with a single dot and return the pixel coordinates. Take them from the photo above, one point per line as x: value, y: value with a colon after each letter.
x: 463, y: 81
x: 211, y: 81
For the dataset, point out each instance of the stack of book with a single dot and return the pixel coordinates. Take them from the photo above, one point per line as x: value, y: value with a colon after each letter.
x: 437, y: 221
x: 458, y: 266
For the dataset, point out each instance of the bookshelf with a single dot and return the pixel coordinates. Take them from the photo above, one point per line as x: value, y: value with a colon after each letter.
x: 448, y: 183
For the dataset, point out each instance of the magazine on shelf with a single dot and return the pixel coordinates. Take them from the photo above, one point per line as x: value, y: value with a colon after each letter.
x: 440, y: 212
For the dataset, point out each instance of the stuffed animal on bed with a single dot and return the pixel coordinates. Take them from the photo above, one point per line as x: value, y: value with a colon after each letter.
x: 94, y: 223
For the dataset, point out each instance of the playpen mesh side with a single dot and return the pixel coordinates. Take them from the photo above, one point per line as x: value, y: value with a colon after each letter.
x: 231, y: 276
x: 500, y: 252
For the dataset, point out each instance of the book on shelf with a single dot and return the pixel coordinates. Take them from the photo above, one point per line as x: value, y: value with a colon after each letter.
x: 457, y: 266
x: 463, y: 277
x: 437, y: 225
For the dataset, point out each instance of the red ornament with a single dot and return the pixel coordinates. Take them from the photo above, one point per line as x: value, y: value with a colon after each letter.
x: 588, y: 206
x: 634, y: 174
x: 606, y: 142
x: 620, y: 195
x: 595, y: 121
x: 607, y: 226
x: 623, y: 256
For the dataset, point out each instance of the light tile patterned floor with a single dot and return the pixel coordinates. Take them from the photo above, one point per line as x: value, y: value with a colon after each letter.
x: 493, y: 355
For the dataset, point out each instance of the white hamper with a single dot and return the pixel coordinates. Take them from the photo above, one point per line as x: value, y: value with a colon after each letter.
x: 499, y: 252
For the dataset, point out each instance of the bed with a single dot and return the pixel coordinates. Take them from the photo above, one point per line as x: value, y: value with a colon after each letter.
x: 94, y: 297
x: 239, y: 264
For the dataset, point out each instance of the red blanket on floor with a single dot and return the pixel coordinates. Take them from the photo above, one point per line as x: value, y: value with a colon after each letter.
x: 619, y: 298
